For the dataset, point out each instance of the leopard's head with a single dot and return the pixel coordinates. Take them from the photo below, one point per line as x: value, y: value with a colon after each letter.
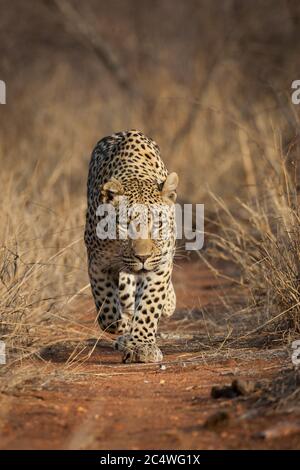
x: 145, y: 221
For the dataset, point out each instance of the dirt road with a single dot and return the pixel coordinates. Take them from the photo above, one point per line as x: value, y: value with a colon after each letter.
x: 108, y: 405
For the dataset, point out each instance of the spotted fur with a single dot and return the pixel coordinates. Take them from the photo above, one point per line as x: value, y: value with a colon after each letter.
x: 130, y: 279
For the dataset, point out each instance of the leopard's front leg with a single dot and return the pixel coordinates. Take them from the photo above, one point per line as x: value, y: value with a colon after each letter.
x: 139, y: 345
x: 105, y: 288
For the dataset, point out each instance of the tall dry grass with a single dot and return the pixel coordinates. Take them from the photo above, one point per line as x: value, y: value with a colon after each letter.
x: 42, y: 257
x: 260, y: 236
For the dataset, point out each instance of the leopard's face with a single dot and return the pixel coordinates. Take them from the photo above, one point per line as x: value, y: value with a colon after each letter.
x: 150, y: 247
x: 145, y: 215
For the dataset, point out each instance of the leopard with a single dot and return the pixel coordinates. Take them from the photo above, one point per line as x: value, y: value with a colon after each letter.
x: 131, y: 277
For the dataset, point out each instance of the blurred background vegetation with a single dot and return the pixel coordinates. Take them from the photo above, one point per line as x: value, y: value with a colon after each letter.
x: 209, y: 80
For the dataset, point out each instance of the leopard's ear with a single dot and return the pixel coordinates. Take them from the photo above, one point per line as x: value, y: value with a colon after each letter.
x: 110, y: 191
x: 169, y: 188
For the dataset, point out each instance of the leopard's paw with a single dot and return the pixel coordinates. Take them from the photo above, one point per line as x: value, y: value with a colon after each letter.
x: 137, y: 352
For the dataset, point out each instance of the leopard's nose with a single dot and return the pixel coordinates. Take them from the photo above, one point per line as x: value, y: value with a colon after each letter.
x: 142, y: 258
x: 142, y: 249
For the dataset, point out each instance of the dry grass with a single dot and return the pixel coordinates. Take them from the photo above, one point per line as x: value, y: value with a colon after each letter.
x: 42, y: 258
x: 260, y: 235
